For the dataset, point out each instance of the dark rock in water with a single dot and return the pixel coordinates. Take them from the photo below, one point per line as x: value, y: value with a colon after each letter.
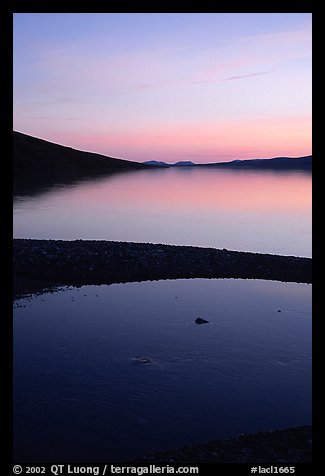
x: 199, y: 320
x: 142, y: 359
x: 279, y: 310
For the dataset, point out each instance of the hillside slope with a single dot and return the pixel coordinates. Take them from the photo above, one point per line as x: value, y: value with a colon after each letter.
x: 37, y: 160
x: 273, y: 163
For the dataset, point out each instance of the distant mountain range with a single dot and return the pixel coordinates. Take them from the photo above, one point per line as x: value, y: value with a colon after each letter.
x: 156, y: 163
x: 274, y: 163
x: 37, y: 161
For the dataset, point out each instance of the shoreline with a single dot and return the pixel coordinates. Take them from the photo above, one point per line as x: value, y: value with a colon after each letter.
x: 286, y: 446
x: 46, y: 265
x: 41, y: 265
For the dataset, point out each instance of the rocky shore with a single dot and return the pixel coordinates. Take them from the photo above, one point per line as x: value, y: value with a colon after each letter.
x: 43, y: 264
x: 279, y: 447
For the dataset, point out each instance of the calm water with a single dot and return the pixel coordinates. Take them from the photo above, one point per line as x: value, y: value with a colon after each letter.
x: 259, y: 211
x: 80, y: 396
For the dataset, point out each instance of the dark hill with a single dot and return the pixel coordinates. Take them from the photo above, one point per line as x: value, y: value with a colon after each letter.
x: 286, y: 163
x: 275, y: 163
x: 39, y: 161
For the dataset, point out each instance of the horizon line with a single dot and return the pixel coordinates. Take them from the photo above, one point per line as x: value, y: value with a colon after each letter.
x: 161, y: 161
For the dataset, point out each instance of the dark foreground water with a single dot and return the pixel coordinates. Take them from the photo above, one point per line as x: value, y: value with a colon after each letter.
x: 80, y: 394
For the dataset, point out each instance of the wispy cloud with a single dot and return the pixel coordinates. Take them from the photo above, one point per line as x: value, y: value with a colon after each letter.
x: 231, y: 78
x: 244, y: 76
x: 263, y: 53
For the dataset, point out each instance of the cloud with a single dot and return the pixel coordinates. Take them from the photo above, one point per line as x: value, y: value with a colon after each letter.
x: 243, y: 76
x: 231, y: 78
x: 264, y: 53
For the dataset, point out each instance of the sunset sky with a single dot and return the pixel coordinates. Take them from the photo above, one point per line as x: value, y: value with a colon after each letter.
x: 182, y: 86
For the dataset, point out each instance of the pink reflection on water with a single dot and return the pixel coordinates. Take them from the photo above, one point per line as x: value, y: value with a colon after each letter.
x: 201, y: 190
x: 258, y: 211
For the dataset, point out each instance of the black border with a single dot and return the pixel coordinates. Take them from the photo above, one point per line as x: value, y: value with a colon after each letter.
x: 6, y: 32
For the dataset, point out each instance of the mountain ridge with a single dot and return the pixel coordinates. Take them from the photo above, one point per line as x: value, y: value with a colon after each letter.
x: 38, y: 159
x: 303, y: 162
x: 38, y: 162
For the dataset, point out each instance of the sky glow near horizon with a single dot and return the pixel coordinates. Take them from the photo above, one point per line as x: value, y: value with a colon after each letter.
x: 201, y: 87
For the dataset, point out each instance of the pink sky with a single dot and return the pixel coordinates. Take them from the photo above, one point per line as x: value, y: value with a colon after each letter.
x: 199, y: 87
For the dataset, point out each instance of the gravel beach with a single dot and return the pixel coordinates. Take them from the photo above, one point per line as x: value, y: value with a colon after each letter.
x: 289, y: 446
x: 44, y: 264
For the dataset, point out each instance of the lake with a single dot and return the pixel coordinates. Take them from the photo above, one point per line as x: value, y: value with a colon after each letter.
x: 116, y: 371
x: 82, y: 395
x: 243, y: 210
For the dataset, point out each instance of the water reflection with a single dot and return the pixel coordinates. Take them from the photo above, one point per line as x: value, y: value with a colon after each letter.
x: 263, y: 211
x: 81, y: 396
